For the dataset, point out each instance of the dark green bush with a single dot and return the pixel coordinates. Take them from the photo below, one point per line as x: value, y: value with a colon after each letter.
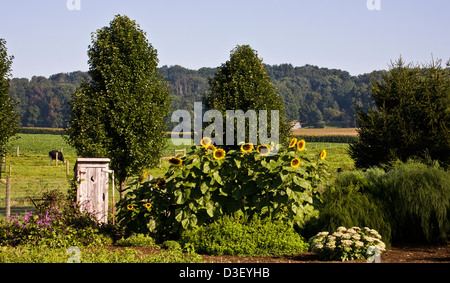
x: 136, y: 240
x: 417, y: 197
x: 411, y: 117
x: 348, y: 206
x: 409, y: 203
x: 237, y: 236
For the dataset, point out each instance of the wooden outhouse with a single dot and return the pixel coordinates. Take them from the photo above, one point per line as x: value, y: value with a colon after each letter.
x: 91, y: 175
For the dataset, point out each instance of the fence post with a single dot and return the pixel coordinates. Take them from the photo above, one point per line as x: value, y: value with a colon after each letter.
x: 67, y: 168
x: 8, y: 195
x: 56, y: 160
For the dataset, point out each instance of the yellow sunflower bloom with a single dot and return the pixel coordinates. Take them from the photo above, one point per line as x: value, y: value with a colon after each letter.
x: 219, y: 154
x: 148, y: 205
x: 323, y: 154
x: 206, y: 141
x: 175, y: 161
x: 130, y: 207
x: 293, y: 142
x: 211, y: 147
x: 247, y: 147
x: 295, y: 163
x: 263, y: 149
x: 301, y: 145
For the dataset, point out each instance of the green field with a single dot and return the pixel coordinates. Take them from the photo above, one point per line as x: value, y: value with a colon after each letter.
x: 32, y: 173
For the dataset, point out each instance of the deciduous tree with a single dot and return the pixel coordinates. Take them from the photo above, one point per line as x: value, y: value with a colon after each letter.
x: 9, y: 119
x: 119, y: 113
x: 242, y: 83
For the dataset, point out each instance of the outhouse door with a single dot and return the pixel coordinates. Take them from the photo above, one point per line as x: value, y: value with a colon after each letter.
x: 92, y: 186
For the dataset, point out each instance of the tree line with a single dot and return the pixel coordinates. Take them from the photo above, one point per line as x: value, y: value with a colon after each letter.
x: 312, y: 95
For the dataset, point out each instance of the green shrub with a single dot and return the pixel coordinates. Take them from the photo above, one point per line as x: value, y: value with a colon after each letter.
x: 53, y: 228
x: 136, y: 240
x: 58, y: 223
x: 36, y: 254
x: 172, y: 245
x: 417, y: 198
x: 348, y: 206
x: 410, y: 202
x: 236, y: 236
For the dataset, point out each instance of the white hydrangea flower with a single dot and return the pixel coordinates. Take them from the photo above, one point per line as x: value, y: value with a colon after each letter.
x: 341, y: 229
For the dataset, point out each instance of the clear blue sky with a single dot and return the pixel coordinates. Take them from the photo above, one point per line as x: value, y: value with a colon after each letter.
x: 47, y: 38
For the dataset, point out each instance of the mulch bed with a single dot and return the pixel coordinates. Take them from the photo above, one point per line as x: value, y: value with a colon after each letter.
x: 398, y: 254
x: 403, y: 254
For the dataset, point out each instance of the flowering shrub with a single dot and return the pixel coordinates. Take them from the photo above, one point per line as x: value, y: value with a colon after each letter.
x: 211, y: 182
x: 346, y: 244
x: 52, y: 228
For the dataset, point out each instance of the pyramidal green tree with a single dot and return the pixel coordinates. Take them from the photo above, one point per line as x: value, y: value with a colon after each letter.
x: 119, y: 112
x: 242, y: 83
x: 9, y: 119
x: 412, y: 117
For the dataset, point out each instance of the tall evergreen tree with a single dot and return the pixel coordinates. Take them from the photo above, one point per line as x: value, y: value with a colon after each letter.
x: 412, y: 118
x: 119, y: 113
x: 242, y: 83
x: 9, y: 119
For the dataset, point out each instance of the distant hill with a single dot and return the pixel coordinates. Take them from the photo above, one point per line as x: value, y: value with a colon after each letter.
x: 314, y: 96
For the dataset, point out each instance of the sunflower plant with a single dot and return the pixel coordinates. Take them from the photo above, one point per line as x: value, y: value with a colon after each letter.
x: 210, y: 183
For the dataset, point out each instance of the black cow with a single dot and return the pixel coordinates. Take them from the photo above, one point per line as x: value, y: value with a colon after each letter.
x: 52, y: 155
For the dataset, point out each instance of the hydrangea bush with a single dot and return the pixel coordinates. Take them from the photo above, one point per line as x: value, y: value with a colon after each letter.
x: 347, y: 244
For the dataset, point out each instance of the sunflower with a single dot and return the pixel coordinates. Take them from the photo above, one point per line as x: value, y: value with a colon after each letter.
x: 130, y: 207
x: 263, y: 149
x: 295, y: 163
x: 323, y: 154
x: 206, y: 141
x: 247, y: 147
x: 301, y: 145
x: 219, y: 154
x: 211, y: 147
x: 175, y: 161
x: 161, y: 183
x: 293, y: 142
x: 148, y: 205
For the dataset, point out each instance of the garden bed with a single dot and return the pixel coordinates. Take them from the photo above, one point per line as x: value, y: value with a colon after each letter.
x: 402, y: 254
x: 399, y: 254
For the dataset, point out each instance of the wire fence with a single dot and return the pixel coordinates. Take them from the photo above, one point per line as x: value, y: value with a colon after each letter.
x: 21, y: 190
